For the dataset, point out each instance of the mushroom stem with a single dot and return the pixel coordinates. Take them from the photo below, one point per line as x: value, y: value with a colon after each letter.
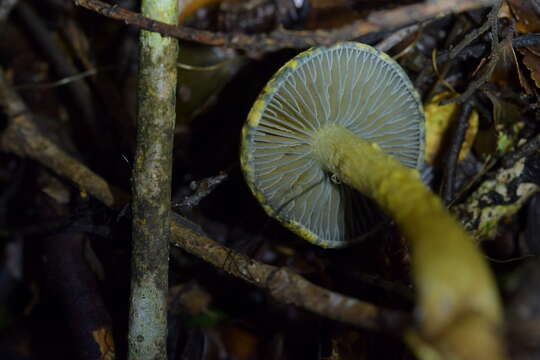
x: 451, y: 277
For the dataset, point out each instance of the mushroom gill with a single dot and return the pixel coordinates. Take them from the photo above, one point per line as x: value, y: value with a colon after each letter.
x: 351, y: 85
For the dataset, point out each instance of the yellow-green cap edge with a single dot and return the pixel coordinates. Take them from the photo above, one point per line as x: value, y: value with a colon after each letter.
x: 255, y: 114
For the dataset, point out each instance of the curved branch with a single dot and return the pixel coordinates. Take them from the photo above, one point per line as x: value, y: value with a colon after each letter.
x: 282, y: 38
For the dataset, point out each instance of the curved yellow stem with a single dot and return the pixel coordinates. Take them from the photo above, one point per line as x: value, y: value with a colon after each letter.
x: 453, y: 281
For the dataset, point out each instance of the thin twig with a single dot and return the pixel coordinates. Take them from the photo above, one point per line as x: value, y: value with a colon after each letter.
x: 23, y: 137
x: 5, y: 8
x: 201, y: 189
x: 476, y: 50
x: 474, y: 181
x: 470, y: 37
x: 62, y: 82
x: 398, y: 36
x: 526, y: 149
x: 530, y: 39
x: 496, y: 50
x: 282, y: 38
x: 79, y: 90
x: 455, y: 148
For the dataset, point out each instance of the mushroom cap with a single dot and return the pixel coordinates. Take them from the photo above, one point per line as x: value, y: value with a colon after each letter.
x: 350, y: 84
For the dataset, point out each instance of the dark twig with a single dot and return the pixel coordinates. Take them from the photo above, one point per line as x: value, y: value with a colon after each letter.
x: 442, y: 70
x: 73, y: 285
x: 530, y: 39
x: 476, y: 83
x: 5, y: 8
x: 494, y: 24
x: 455, y: 148
x: 201, y: 190
x: 526, y: 149
x: 470, y: 37
x: 496, y: 50
x: 78, y: 90
x: 484, y: 77
x: 282, y: 38
x: 398, y: 36
x: 476, y: 50
x: 25, y: 139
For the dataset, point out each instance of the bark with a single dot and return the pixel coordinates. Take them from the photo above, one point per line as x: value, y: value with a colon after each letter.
x: 152, y: 186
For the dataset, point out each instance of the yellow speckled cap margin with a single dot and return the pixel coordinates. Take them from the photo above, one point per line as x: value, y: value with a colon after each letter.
x: 256, y: 113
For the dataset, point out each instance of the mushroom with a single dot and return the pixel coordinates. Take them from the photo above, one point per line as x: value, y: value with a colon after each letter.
x: 336, y: 121
x: 349, y: 86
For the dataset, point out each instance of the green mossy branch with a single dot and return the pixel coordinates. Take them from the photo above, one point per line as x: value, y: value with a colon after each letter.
x: 152, y: 186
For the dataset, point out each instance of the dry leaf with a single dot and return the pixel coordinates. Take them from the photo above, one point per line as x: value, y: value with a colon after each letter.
x: 439, y: 120
x: 527, y: 19
x: 192, y: 298
x: 532, y: 62
x: 189, y: 7
x: 240, y: 344
x: 104, y: 338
